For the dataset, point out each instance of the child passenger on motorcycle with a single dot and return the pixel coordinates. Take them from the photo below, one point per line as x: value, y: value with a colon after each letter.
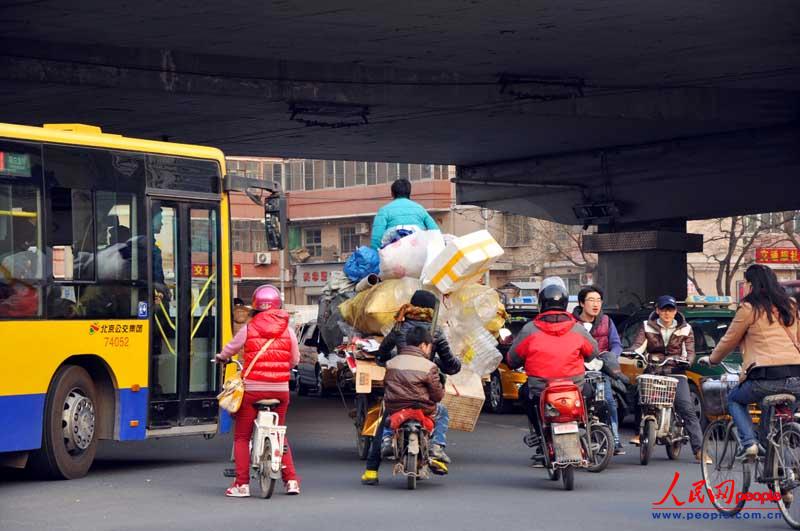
x: 412, y: 381
x: 420, y: 313
x: 269, y: 378
x: 552, y: 347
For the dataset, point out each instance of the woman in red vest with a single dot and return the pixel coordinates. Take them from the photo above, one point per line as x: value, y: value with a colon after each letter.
x: 269, y: 378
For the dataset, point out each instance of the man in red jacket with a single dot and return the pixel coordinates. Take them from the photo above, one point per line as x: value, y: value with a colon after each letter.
x: 553, y: 346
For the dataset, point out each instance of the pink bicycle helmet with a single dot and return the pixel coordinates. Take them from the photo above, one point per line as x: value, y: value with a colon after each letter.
x: 266, y: 297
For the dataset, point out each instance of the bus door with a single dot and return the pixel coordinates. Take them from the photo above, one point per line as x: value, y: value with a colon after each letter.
x: 183, y: 313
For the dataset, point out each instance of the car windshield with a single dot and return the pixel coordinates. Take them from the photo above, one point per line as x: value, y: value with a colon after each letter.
x: 708, y: 331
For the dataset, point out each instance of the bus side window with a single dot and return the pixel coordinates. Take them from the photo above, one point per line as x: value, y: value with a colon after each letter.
x: 72, y: 234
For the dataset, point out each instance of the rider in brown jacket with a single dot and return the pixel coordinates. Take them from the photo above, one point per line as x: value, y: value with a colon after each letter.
x: 411, y: 382
x: 666, y: 334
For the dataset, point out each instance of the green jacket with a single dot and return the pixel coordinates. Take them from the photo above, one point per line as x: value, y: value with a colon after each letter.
x: 400, y: 212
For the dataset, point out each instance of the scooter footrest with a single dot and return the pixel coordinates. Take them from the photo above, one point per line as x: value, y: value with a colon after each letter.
x: 531, y: 440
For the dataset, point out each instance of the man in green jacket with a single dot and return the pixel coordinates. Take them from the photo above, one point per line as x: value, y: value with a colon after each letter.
x: 401, y: 213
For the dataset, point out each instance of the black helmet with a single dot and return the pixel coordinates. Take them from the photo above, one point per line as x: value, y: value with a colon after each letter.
x: 553, y: 297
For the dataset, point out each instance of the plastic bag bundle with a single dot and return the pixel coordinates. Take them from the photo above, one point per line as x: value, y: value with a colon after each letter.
x: 482, y: 356
x: 407, y: 256
x: 373, y: 309
x: 474, y: 301
x: 362, y: 263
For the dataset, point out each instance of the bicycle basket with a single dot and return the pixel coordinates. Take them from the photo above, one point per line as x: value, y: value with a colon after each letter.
x: 715, y: 394
x: 595, y: 379
x: 656, y: 390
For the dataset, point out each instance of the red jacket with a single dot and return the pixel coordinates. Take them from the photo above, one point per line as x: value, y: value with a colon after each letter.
x: 552, y: 346
x: 274, y: 365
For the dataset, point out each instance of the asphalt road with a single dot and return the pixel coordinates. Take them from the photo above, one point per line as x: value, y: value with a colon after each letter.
x: 178, y: 484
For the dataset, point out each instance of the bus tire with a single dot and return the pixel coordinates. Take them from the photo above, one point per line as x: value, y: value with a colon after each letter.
x: 69, y: 434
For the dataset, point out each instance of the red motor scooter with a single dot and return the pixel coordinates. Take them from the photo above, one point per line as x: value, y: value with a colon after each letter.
x: 563, y: 421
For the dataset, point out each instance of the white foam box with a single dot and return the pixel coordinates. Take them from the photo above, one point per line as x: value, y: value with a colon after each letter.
x: 463, y: 260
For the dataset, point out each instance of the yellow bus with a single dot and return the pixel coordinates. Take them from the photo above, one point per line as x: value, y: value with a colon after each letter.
x: 115, y: 282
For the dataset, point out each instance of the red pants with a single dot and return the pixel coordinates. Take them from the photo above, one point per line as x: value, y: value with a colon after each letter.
x: 244, y: 430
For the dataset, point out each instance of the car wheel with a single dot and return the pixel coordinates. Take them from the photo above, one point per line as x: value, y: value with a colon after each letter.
x: 697, y: 402
x: 495, y: 401
x: 302, y: 388
x: 321, y: 391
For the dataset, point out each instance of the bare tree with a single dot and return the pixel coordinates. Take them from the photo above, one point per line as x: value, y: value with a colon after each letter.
x: 692, y: 274
x: 731, y: 246
x: 563, y: 243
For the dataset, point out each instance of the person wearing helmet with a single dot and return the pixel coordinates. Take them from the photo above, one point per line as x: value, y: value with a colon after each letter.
x: 268, y: 378
x: 553, y: 346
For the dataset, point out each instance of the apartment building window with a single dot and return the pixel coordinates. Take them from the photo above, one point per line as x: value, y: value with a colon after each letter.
x: 402, y: 171
x: 330, y: 174
x: 244, y: 168
x: 517, y: 231
x: 349, y: 241
x: 361, y: 173
x: 308, y: 174
x: 414, y: 172
x: 349, y: 173
x: 427, y: 171
x: 338, y: 167
x: 312, y: 241
x: 372, y: 173
x: 249, y: 235
x: 383, y: 172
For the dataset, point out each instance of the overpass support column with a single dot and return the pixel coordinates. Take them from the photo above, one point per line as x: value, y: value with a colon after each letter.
x: 639, y: 262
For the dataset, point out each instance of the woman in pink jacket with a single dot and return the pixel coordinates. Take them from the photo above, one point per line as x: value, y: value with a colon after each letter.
x: 269, y: 378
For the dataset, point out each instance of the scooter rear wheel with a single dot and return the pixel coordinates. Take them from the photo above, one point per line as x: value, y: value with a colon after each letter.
x: 265, y: 482
x: 568, y: 477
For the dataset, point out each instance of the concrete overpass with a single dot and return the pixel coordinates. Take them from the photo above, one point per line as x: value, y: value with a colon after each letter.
x: 647, y: 115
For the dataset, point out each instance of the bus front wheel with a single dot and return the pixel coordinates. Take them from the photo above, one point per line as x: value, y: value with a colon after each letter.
x: 69, y: 437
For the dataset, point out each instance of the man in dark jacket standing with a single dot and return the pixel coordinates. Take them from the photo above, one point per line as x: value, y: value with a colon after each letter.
x: 411, y: 382
x: 666, y: 334
x: 589, y: 313
x: 420, y: 313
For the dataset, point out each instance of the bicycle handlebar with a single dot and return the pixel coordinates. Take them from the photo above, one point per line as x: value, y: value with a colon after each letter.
x: 648, y: 363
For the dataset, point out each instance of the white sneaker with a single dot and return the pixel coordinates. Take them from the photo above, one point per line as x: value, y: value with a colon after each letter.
x: 292, y: 487
x: 238, y: 491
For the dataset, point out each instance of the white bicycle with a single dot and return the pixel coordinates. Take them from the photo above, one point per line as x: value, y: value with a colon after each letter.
x: 266, y: 445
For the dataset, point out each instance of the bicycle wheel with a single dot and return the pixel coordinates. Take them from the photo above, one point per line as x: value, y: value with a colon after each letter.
x: 786, y: 471
x: 720, y: 444
x: 265, y: 482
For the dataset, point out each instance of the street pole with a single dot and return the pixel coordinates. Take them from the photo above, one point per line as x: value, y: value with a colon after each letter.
x: 282, y: 260
x: 485, y: 216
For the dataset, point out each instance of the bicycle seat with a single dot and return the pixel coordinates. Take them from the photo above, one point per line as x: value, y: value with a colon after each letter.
x: 774, y: 400
x: 263, y: 405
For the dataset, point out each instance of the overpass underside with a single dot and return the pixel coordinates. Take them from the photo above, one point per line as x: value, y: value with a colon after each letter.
x: 630, y: 116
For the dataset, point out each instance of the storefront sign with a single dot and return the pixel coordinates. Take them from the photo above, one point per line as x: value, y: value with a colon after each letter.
x: 315, y: 275
x: 203, y: 270
x: 777, y: 255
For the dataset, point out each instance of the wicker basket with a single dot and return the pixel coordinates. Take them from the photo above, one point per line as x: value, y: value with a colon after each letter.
x: 657, y: 390
x: 464, y: 399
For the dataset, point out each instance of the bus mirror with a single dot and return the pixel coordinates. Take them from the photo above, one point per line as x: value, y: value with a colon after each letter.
x: 275, y: 222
